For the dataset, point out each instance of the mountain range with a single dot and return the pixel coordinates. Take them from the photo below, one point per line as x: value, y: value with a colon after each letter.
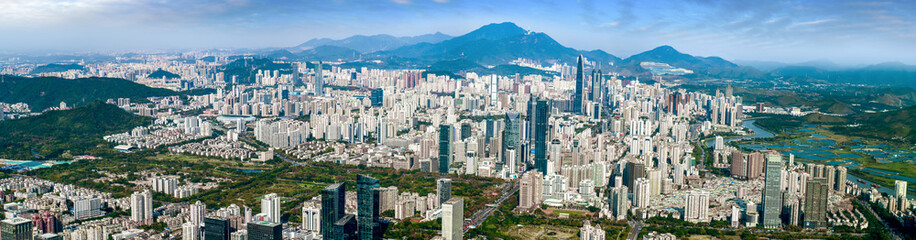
x: 381, y: 42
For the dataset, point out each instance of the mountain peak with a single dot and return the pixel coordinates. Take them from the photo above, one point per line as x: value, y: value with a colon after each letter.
x: 664, y: 48
x: 496, y: 31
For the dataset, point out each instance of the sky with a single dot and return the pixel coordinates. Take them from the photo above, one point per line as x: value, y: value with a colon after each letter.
x: 845, y: 32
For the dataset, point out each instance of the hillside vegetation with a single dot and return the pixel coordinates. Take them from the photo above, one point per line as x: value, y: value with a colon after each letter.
x: 43, y: 92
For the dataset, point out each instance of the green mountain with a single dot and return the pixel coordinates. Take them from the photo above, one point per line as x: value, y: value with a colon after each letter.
x: 163, y: 74
x: 381, y: 42
x: 464, y: 65
x: 53, y: 133
x: 44, y: 92
x: 55, y: 67
x: 895, y: 125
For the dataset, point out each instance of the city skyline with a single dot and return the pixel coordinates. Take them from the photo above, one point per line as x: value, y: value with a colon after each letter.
x: 845, y: 32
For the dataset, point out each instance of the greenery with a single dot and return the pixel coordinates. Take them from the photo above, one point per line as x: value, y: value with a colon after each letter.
x: 55, y: 67
x: 163, y: 74
x: 54, y: 133
x: 44, y: 92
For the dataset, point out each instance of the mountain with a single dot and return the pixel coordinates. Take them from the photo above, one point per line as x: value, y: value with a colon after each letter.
x: 464, y: 65
x: 707, y: 66
x: 162, y: 74
x: 53, y: 133
x: 365, y: 44
x: 496, y: 44
x: 245, y: 68
x: 330, y: 53
x: 55, y: 67
x: 44, y: 92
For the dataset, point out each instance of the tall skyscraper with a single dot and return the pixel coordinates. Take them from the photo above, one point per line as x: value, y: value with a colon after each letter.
x: 641, y: 193
x: 367, y: 204
x: 453, y: 219
x: 445, y: 148
x: 580, y: 84
x: 618, y: 202
x: 772, y: 193
x: 343, y: 229
x: 541, y: 114
x: 511, y: 134
x: 633, y: 171
x: 216, y: 228
x: 840, y: 180
x: 333, y: 205
x: 531, y: 188
x: 198, y: 213
x: 816, y: 203
x: 900, y: 188
x: 270, y: 206
x: 443, y: 190
x: 377, y: 97
x: 141, y: 207
x: 265, y: 231
x: 16, y: 228
x: 597, y: 89
x: 319, y: 80
x: 696, y: 208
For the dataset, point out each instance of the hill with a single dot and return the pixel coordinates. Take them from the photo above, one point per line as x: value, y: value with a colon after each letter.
x: 894, y: 125
x: 703, y: 66
x: 245, y: 68
x: 44, y: 92
x: 365, y: 44
x: 163, y: 74
x: 464, y: 65
x: 55, y: 67
x: 496, y: 44
x: 53, y: 133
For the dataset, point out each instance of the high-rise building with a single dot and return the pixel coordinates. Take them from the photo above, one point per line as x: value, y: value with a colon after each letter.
x: 840, y: 180
x: 816, y: 203
x: 16, y: 228
x: 141, y: 207
x: 445, y: 148
x: 696, y: 209
x: 511, y: 138
x: 311, y: 217
x: 333, y: 199
x: 270, y: 206
x: 367, y: 204
x: 377, y: 97
x: 453, y: 219
x: 216, y: 228
x: 198, y: 213
x: 597, y: 92
x: 319, y: 79
x: 641, y: 193
x: 633, y: 171
x: 87, y: 208
x: 262, y: 230
x: 900, y: 188
x: 541, y: 114
x: 580, y: 84
x: 772, y: 192
x: 190, y: 231
x: 618, y: 202
x: 344, y: 228
x: 589, y: 232
x: 443, y: 190
x: 531, y: 189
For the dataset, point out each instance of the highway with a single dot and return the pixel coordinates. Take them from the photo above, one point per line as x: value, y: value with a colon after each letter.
x: 482, y: 214
x: 636, y: 226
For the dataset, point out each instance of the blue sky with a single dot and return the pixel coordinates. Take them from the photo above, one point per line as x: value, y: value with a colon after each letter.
x: 847, y: 32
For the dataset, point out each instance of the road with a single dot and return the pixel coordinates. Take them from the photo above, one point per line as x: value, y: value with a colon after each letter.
x: 883, y: 223
x: 636, y: 226
x: 482, y: 214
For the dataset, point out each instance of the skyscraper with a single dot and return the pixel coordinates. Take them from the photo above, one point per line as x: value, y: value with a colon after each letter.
x: 367, y: 204
x: 443, y: 190
x: 16, y: 228
x: 618, y: 202
x: 816, y: 203
x: 541, y: 114
x: 633, y: 171
x: 641, y: 193
x: 840, y: 180
x: 216, y: 228
x: 580, y: 84
x: 198, y: 213
x: 311, y: 217
x: 333, y: 199
x: 445, y: 148
x: 900, y: 188
x: 270, y: 206
x: 511, y: 134
x: 141, y: 207
x: 319, y: 79
x: 597, y: 91
x: 531, y: 188
x: 377, y: 97
x: 772, y: 194
x: 453, y: 219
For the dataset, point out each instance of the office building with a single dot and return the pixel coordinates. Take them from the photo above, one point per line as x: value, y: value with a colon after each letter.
x: 541, y: 115
x: 344, y: 228
x: 580, y: 85
x: 531, y: 190
x: 333, y: 199
x: 445, y: 148
x: 16, y: 228
x: 443, y: 190
x: 377, y: 97
x: 619, y: 202
x: 367, y: 199
x: 772, y: 192
x: 262, y: 230
x: 453, y: 219
x: 216, y: 228
x: 319, y: 79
